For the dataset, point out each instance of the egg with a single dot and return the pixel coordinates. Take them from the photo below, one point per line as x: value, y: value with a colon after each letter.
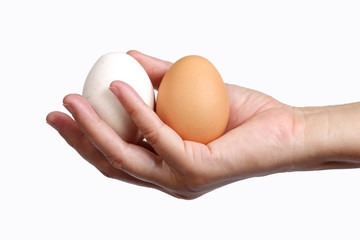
x: 108, y: 68
x: 193, y: 101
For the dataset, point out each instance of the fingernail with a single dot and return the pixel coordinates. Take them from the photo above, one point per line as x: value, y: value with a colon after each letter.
x: 115, y: 91
x: 69, y: 108
x: 52, y: 124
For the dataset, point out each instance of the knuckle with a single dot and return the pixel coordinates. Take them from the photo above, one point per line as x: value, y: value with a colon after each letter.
x: 107, y: 174
x: 152, y: 135
x: 107, y: 170
x: 191, y: 186
x: 115, y: 162
x: 195, y: 185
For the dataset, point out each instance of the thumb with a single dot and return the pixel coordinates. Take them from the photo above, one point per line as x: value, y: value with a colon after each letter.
x: 154, y: 67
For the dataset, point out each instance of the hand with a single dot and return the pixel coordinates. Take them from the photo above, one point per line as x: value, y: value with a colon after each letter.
x: 258, y: 140
x: 263, y: 136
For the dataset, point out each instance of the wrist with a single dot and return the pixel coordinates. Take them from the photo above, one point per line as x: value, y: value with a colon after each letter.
x: 327, y: 137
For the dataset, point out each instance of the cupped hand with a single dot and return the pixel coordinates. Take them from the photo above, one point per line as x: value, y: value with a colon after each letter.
x: 259, y: 140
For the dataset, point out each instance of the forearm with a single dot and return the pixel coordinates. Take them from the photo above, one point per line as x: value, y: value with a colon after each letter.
x: 330, y: 137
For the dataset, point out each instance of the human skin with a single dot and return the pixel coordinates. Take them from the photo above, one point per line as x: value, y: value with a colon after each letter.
x: 263, y: 136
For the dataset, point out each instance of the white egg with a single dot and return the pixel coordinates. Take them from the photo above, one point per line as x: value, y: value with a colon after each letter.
x: 111, y: 67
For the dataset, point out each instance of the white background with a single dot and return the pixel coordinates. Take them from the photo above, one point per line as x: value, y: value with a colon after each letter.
x: 300, y: 52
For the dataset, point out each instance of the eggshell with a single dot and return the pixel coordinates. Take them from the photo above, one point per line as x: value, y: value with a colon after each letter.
x: 193, y: 101
x: 108, y: 68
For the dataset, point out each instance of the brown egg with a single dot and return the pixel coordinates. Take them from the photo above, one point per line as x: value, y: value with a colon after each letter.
x: 193, y: 101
